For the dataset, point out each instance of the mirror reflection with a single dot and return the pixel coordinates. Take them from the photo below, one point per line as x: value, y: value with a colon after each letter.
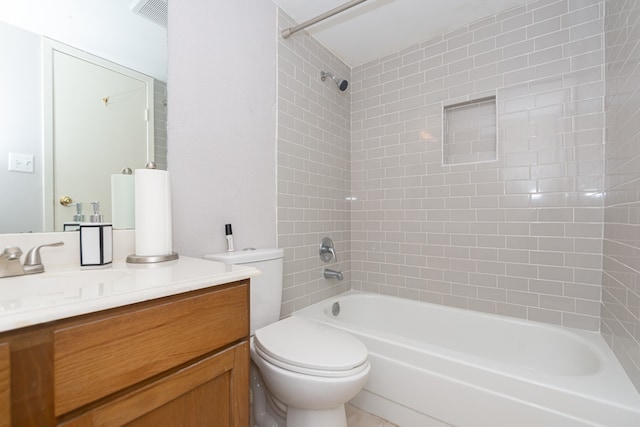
x: 61, y: 47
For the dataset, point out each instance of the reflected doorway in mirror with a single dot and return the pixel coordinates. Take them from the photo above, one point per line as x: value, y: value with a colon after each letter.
x: 81, y: 125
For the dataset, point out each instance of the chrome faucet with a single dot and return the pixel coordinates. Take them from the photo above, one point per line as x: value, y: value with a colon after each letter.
x: 332, y: 274
x: 10, y: 261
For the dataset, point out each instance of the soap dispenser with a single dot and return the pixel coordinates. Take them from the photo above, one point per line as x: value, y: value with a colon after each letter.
x: 96, y: 240
x: 74, y: 224
x: 95, y: 216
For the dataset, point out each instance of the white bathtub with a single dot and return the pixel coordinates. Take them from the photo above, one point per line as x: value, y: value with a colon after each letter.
x: 437, y: 366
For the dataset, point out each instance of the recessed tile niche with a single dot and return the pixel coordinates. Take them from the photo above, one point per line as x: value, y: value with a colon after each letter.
x: 469, y: 132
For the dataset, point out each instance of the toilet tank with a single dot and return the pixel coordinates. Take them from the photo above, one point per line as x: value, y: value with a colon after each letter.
x: 266, y: 289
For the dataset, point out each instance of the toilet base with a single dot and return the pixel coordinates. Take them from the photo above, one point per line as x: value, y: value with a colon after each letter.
x: 303, y: 398
x: 264, y: 411
x: 267, y: 412
x: 335, y: 417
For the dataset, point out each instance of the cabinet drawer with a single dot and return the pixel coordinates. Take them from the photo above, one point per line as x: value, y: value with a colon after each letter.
x: 93, y: 359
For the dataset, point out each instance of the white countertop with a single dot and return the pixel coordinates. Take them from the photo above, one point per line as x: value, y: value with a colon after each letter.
x: 66, y: 292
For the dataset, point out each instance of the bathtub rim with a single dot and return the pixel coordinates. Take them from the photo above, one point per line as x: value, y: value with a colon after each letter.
x: 611, y: 377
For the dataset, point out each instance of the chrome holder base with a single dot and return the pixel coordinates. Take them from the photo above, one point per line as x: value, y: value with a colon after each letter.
x: 149, y: 259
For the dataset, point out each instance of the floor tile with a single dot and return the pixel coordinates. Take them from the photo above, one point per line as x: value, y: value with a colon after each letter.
x: 358, y: 418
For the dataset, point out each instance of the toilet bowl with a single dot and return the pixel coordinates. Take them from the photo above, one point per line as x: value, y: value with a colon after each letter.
x: 306, y: 371
x: 310, y: 368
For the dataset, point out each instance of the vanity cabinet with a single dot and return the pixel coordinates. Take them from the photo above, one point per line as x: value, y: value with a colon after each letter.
x: 179, y: 360
x: 5, y: 385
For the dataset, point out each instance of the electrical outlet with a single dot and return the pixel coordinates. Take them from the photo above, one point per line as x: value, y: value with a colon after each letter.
x: 20, y: 162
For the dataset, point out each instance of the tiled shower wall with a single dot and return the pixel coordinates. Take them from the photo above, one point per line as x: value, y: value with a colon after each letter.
x: 520, y: 236
x: 313, y: 167
x: 621, y: 278
x: 160, y: 123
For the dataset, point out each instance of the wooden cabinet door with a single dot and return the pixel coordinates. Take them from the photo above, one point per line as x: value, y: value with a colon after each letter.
x: 5, y: 385
x: 211, y: 392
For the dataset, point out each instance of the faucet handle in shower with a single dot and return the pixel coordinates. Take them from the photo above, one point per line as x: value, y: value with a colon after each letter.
x: 327, y: 251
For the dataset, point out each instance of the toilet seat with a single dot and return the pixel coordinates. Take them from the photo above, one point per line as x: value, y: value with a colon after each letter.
x: 307, y: 347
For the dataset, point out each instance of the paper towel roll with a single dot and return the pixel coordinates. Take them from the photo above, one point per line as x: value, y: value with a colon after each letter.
x: 122, y: 201
x: 153, y: 212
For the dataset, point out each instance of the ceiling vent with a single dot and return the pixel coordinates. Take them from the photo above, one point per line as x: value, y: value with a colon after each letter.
x: 153, y: 10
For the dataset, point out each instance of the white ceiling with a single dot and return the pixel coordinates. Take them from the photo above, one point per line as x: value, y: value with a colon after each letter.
x: 379, y: 27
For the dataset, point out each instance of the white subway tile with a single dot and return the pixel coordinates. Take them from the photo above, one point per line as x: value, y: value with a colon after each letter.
x: 587, y: 60
x: 574, y: 320
x: 518, y: 21
x: 508, y: 38
x: 544, y: 315
x: 550, y: 11
x: 587, y: 29
x: 544, y: 27
x: 487, y: 31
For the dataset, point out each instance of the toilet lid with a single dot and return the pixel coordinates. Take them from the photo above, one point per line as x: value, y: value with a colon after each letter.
x: 302, y: 345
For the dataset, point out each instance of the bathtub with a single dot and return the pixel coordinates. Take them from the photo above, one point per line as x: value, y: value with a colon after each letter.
x: 433, y: 365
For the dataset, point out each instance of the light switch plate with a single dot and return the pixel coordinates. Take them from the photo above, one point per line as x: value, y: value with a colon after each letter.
x: 20, y: 162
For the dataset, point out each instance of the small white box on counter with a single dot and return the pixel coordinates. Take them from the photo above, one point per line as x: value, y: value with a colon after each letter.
x: 96, y: 244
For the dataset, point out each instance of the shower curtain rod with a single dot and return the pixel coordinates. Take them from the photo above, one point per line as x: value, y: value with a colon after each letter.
x: 286, y: 33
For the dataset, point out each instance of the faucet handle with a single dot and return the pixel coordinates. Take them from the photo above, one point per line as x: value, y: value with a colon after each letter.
x: 10, y: 262
x: 327, y: 252
x: 11, y: 253
x: 32, y: 259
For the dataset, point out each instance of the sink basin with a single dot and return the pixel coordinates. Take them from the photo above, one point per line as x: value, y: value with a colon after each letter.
x: 85, y: 282
x: 84, y: 276
x: 61, y: 287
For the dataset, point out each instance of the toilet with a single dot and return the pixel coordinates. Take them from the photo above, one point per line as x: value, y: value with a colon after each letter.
x: 303, y: 372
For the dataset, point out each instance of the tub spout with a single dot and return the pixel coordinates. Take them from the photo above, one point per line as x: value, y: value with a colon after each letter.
x: 332, y: 274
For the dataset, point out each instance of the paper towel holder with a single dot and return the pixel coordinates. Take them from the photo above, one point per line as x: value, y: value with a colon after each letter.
x: 150, y: 259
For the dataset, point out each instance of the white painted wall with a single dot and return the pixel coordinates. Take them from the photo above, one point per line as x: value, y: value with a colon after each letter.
x: 222, y: 123
x: 21, y: 129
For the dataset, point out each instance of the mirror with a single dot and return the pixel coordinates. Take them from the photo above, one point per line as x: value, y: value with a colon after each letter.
x: 109, y: 30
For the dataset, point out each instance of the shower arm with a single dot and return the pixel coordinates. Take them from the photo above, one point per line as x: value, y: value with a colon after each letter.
x: 286, y: 33
x: 325, y: 74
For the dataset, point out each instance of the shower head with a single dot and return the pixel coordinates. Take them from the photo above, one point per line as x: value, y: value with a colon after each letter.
x: 341, y: 83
